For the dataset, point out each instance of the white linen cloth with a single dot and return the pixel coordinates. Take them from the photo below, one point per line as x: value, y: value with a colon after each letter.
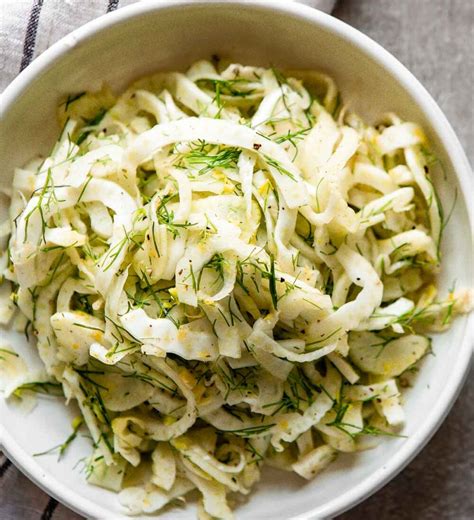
x: 28, y: 28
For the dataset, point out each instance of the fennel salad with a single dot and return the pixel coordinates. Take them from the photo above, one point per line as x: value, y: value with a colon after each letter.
x: 223, y: 268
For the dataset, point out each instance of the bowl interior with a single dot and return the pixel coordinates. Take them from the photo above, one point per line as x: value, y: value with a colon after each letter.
x: 172, y: 38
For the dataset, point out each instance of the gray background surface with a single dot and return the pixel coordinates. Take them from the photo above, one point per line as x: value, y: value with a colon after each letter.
x: 434, y: 39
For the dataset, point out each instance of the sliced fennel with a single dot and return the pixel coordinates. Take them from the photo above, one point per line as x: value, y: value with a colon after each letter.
x: 224, y: 268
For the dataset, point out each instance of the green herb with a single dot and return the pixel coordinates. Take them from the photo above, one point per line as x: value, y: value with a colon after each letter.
x: 40, y: 387
x: 154, y: 294
x: 323, y: 338
x: 426, y: 315
x: 55, y: 248
x: 123, y: 333
x: 293, y: 138
x: 429, y: 156
x: 279, y: 167
x: 266, y: 271
x: 279, y: 76
x: 226, y: 158
x: 94, y: 121
x: 337, y: 106
x: 88, y: 464
x: 217, y: 264
x: 242, y: 380
x: 364, y: 430
x: 139, y: 302
x: 46, y: 198
x: 281, y: 80
x: 153, y: 236
x: 373, y: 430
x: 166, y: 218
x: 112, y: 254
x: 86, y: 374
x: 270, y: 275
x: 285, y: 403
x: 89, y: 178
x: 210, y: 229
x: 256, y: 456
x: 151, y: 380
x: 227, y: 87
x: 70, y: 99
x: 446, y: 220
x: 9, y: 352
x: 93, y: 399
x: 61, y: 448
x: 82, y: 326
x: 251, y: 430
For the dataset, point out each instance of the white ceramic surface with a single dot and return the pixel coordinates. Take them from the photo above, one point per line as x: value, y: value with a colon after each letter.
x: 159, y: 35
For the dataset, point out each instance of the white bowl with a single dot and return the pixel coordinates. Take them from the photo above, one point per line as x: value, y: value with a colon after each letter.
x: 161, y: 35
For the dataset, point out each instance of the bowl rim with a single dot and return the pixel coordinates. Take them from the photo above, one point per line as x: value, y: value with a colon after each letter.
x: 413, y: 445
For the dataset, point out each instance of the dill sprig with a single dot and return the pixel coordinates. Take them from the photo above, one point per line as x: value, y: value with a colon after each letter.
x: 84, y: 188
x: 88, y: 464
x: 9, y: 352
x: 71, y: 98
x: 426, y: 315
x: 286, y: 403
x: 166, y: 217
x: 122, y: 333
x: 365, y: 217
x: 341, y: 408
x: 324, y: 338
x: 266, y: 272
x: 366, y: 429
x: 217, y: 264
x: 164, y: 306
x: 61, y: 448
x: 129, y: 239
x: 251, y: 430
x: 46, y: 198
x: 226, y: 158
x: 152, y: 380
x: 279, y: 167
x: 298, y: 391
x: 227, y: 87
x: 241, y: 380
x: 293, y: 138
x: 152, y: 292
x: 270, y: 276
x: 93, y: 398
x: 210, y: 229
x: 281, y: 80
x: 40, y: 387
x: 256, y: 456
x: 90, y: 124
x: 86, y: 374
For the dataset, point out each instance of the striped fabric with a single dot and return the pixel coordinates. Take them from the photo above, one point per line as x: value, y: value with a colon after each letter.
x: 28, y: 28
